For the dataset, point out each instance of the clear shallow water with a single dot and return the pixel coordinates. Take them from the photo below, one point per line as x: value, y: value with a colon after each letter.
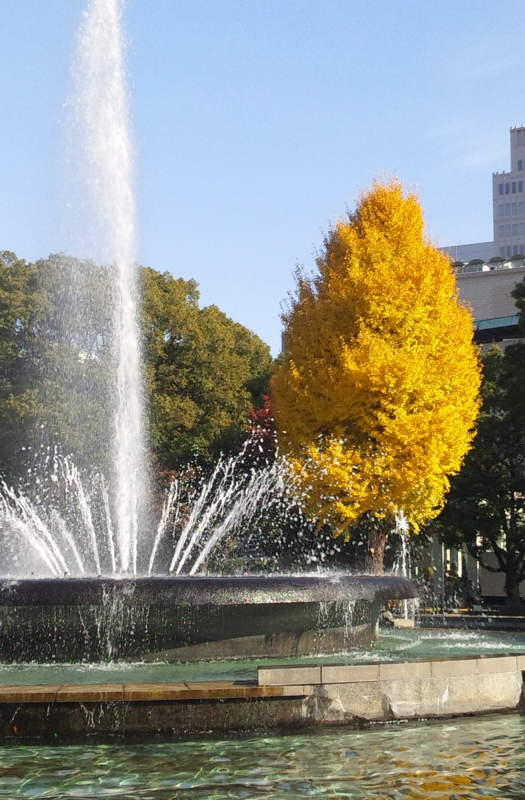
x: 470, y: 759
x: 392, y: 644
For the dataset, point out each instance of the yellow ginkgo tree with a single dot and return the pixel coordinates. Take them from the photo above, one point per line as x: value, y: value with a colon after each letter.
x: 376, y: 394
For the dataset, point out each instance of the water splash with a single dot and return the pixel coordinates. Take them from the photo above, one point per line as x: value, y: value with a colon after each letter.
x: 403, y: 564
x: 102, y: 121
x: 54, y: 531
x: 225, y: 503
x: 218, y: 506
x: 61, y: 524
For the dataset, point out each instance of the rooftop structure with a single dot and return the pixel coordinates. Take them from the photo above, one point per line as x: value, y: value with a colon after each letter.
x: 487, y: 287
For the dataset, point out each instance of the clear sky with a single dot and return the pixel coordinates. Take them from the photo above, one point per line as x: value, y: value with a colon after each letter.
x: 256, y: 122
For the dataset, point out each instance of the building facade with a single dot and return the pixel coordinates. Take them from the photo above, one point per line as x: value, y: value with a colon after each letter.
x: 508, y: 200
x: 508, y: 210
x: 487, y: 272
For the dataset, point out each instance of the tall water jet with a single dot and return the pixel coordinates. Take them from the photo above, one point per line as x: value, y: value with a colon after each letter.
x: 102, y: 121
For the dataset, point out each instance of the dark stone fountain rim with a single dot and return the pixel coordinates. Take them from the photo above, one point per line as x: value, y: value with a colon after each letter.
x: 199, y: 590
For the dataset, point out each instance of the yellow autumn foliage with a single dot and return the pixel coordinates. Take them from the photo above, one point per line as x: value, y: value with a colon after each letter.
x: 377, y: 393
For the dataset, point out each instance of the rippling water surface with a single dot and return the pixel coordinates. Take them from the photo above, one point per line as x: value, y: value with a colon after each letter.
x: 392, y: 644
x: 461, y: 760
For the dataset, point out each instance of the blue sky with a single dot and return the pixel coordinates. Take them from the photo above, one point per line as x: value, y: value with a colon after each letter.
x: 256, y: 122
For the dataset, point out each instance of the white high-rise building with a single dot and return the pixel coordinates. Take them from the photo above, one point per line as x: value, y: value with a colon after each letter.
x: 508, y: 200
x: 487, y: 272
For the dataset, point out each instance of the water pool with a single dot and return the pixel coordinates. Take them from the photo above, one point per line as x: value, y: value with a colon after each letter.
x: 469, y: 759
x: 392, y: 644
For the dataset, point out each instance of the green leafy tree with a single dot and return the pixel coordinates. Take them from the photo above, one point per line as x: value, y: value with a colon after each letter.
x: 485, y: 508
x: 73, y: 358
x: 19, y: 301
x: 203, y: 370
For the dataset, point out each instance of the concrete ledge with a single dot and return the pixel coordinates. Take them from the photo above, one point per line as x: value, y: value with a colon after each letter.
x: 286, y: 697
x: 296, y: 691
x: 288, y: 675
x: 133, y: 692
x: 453, y: 695
x: 389, y: 670
x: 408, y: 690
x: 498, y: 664
x: 405, y: 671
x: 381, y: 701
x: 90, y: 693
x: 29, y: 694
x: 450, y: 667
x: 349, y: 674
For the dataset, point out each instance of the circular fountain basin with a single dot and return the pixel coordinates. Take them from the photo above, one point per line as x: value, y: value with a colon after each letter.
x: 188, y: 619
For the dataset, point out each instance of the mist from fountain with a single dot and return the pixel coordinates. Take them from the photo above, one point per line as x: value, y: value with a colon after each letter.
x: 65, y: 528
x: 101, y: 122
x: 403, y: 565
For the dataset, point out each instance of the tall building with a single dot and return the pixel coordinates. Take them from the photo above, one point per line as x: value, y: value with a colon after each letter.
x: 487, y: 272
x: 508, y: 199
x: 508, y: 210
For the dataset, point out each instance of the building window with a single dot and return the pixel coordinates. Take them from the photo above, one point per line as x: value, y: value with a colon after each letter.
x: 514, y: 230
x: 509, y: 249
x: 518, y: 137
x: 507, y: 230
x: 502, y: 252
x: 500, y: 188
x: 514, y: 208
x: 507, y: 188
x: 520, y: 165
x: 501, y: 231
x: 501, y: 210
x: 520, y: 186
x: 522, y: 249
x: 513, y: 187
x: 520, y: 208
x: 520, y: 229
x: 507, y: 209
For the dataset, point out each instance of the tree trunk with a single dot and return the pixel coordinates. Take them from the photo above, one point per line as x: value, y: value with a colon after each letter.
x: 512, y: 590
x: 377, y: 541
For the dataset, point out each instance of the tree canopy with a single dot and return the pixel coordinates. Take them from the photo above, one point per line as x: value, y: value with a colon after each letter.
x: 485, y: 509
x: 18, y: 396
x: 376, y: 396
x: 203, y: 372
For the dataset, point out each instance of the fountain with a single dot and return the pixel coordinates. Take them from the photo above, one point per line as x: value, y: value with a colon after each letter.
x: 82, y: 558
x: 70, y: 611
x: 87, y: 577
x: 101, y: 113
